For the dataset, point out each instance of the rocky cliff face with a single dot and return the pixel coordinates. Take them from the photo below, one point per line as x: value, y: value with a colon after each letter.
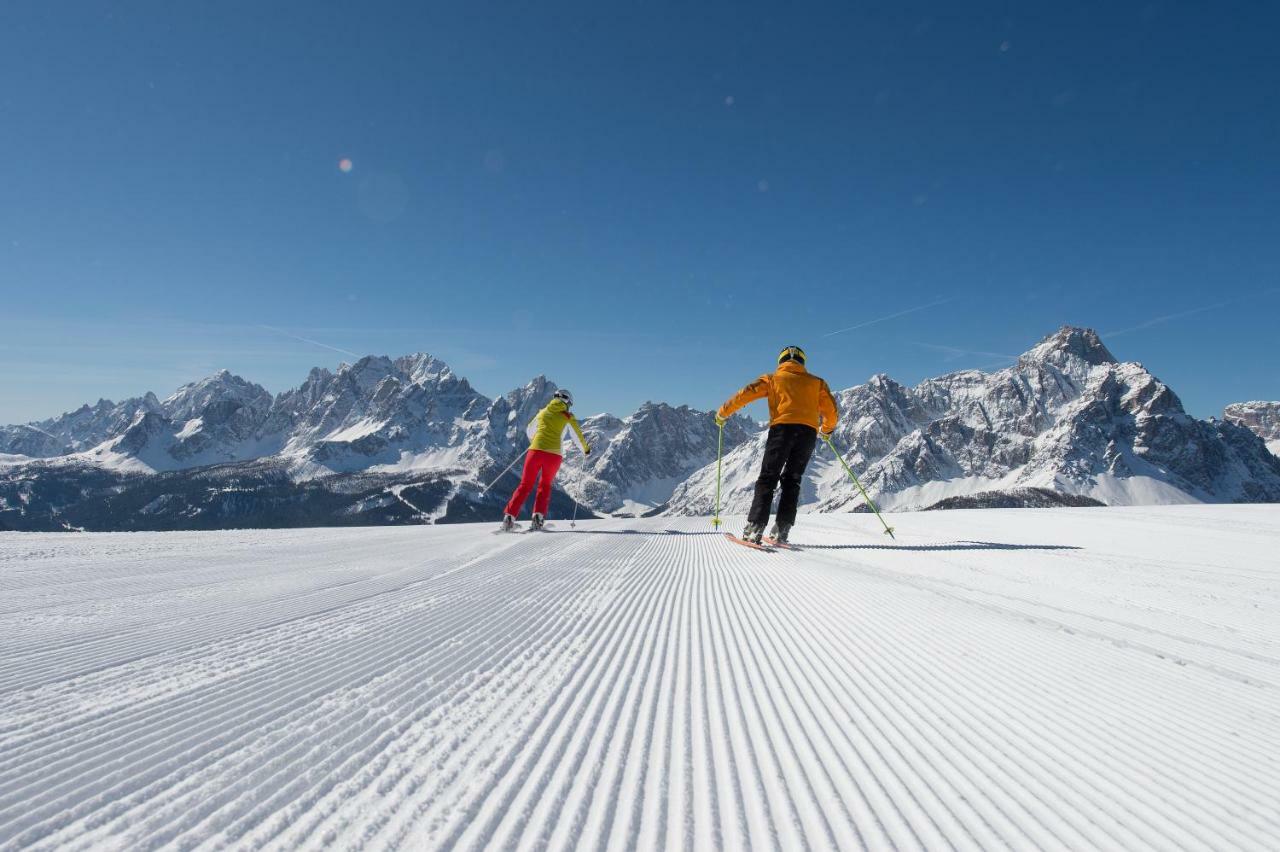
x: 1260, y: 418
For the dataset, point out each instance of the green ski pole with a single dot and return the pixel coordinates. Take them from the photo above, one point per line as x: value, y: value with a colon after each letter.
x: 888, y: 529
x: 715, y: 521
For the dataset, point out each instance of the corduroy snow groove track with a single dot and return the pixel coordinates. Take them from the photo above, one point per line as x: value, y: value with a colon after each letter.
x: 1027, y: 679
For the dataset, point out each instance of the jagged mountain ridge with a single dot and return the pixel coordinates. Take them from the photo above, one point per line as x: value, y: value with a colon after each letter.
x: 1067, y: 416
x: 377, y: 413
x: 407, y: 422
x: 409, y: 441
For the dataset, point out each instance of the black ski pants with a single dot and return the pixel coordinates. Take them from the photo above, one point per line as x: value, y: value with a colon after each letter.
x: 786, y: 454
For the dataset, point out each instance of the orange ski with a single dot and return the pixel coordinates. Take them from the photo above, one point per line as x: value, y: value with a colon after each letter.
x: 751, y: 544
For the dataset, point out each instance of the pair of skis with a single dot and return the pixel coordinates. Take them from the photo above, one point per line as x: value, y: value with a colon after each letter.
x: 520, y: 529
x: 767, y: 545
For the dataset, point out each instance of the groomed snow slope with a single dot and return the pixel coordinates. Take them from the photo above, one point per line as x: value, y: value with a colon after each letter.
x: 1098, y: 678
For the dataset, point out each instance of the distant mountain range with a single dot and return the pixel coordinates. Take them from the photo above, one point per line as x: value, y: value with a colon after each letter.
x: 385, y: 441
x: 380, y: 441
x: 1066, y: 417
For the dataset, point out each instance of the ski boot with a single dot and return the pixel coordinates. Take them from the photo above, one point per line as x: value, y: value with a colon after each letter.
x: 537, y: 523
x: 780, y: 532
x: 753, y: 533
x: 508, y: 523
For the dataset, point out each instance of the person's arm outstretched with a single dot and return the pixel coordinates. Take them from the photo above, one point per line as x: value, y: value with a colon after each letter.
x: 758, y: 389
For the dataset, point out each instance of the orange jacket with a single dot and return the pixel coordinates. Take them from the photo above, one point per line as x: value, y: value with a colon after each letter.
x: 795, y: 396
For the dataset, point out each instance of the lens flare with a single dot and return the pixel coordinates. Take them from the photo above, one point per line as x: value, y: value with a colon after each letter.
x: 345, y: 165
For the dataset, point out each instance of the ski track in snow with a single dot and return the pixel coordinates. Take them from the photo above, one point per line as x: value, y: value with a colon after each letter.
x: 1062, y: 679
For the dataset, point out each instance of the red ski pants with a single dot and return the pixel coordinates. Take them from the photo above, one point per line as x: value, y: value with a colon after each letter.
x: 536, y: 463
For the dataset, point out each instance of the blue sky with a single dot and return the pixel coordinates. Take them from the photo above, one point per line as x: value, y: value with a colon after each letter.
x: 641, y: 202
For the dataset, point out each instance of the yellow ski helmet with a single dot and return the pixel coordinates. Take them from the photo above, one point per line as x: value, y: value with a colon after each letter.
x: 791, y: 353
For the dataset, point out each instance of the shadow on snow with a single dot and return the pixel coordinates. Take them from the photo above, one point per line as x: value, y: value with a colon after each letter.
x: 632, y: 532
x: 929, y: 548
x: 922, y: 548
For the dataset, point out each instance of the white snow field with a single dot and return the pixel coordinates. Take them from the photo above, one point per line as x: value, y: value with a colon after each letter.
x: 1061, y: 679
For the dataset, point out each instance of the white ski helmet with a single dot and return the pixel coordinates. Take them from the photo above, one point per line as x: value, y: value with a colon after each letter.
x: 563, y: 394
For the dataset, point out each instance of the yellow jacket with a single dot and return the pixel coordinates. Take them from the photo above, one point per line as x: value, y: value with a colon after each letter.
x: 546, y: 430
x: 795, y: 396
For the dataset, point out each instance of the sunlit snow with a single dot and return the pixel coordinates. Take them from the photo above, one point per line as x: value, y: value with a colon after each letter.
x: 1071, y: 678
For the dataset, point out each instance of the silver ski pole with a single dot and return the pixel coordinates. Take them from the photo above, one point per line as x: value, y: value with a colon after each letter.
x: 504, y: 473
x: 574, y: 522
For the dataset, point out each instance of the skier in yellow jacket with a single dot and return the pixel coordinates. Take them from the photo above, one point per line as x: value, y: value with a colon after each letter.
x: 546, y: 437
x: 800, y: 404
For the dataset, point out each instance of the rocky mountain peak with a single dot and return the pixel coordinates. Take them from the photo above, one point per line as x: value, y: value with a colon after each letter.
x: 1072, y: 342
x: 220, y: 388
x: 422, y: 368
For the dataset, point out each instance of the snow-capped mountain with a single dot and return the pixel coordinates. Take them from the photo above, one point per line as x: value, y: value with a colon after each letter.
x: 413, y: 413
x: 82, y: 429
x: 1260, y: 418
x: 1066, y: 417
x: 377, y: 414
x: 409, y: 441
x: 212, y: 421
x: 643, y: 458
x: 366, y: 432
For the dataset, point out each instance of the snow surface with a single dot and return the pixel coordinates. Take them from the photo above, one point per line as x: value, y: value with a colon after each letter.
x: 1274, y: 447
x: 1096, y: 678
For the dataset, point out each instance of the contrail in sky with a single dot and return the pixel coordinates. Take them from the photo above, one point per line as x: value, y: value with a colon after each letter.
x: 308, y: 340
x: 1270, y: 291
x: 1168, y: 317
x: 891, y: 316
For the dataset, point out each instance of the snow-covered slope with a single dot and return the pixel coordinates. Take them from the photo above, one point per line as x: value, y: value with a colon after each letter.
x: 1067, y: 417
x: 1066, y: 679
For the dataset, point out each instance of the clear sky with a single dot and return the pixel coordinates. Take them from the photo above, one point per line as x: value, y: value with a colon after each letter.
x: 641, y: 201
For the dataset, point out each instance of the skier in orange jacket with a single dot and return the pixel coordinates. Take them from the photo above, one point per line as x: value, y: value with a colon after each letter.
x: 800, y: 404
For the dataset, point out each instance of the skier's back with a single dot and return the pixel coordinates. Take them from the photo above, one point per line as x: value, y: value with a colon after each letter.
x: 546, y: 433
x: 800, y: 404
